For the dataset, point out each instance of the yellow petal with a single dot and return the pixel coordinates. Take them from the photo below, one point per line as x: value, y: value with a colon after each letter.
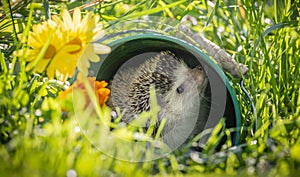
x: 93, y: 57
x: 50, y: 72
x: 99, y: 35
x: 67, y: 19
x: 90, y: 53
x: 71, y: 48
x: 101, y: 49
x: 77, y: 17
x: 57, y: 20
x: 83, y: 65
x: 41, y: 66
x: 86, y: 21
x: 64, y: 63
x: 64, y: 59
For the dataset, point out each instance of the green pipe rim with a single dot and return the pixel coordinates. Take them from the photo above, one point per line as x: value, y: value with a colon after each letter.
x: 197, y: 51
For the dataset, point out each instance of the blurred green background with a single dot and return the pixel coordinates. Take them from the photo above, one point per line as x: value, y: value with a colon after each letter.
x: 39, y: 133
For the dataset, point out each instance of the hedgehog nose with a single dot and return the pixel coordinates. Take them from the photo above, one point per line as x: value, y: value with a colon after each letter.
x: 199, y: 71
x: 199, y: 76
x: 199, y: 67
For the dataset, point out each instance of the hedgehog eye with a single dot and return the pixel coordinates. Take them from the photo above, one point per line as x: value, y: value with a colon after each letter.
x: 180, y: 89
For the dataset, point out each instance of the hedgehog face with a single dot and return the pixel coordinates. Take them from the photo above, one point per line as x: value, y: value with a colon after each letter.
x: 189, y: 83
x: 184, y: 97
x: 183, y: 104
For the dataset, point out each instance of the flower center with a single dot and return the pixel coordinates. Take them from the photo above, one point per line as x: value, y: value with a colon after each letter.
x: 50, y: 52
x: 76, y: 41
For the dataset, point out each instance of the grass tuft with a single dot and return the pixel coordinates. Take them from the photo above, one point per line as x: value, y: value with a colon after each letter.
x: 42, y: 135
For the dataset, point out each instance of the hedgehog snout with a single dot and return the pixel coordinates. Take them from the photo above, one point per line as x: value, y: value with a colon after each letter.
x: 200, y: 78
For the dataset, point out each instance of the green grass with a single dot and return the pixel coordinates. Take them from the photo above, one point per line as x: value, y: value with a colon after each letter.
x: 40, y: 140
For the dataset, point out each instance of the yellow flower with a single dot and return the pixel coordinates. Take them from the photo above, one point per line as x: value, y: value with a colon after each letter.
x: 36, y: 40
x: 70, y: 44
x: 81, y: 32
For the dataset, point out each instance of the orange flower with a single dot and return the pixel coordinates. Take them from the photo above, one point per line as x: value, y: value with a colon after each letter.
x: 101, y: 92
x: 63, y: 94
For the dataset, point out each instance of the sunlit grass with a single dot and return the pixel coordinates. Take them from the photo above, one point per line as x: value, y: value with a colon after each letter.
x: 42, y: 135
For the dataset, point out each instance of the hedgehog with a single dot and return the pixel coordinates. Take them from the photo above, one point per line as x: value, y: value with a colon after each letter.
x: 179, y: 91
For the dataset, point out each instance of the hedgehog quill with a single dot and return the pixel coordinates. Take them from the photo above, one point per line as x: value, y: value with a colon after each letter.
x: 179, y: 91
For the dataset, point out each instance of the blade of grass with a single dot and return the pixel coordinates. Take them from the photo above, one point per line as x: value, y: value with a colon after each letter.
x: 47, y: 9
x: 278, y: 26
x: 212, y: 14
x: 24, y: 37
x: 152, y: 11
x: 160, y: 128
x: 170, y: 14
x: 8, y: 7
x: 154, y: 109
x: 3, y: 66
